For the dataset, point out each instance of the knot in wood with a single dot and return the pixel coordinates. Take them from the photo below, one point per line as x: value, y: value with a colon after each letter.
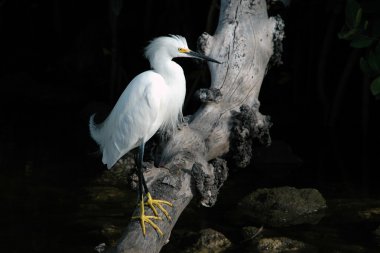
x: 244, y: 130
x: 278, y: 36
x: 208, y: 180
x: 209, y: 95
x: 204, y: 43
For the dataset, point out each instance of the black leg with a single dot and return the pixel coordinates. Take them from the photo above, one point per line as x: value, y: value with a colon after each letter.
x: 150, y: 202
x: 140, y: 165
x: 141, y: 188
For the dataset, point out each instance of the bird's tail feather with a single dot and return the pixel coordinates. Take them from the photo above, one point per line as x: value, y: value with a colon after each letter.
x: 95, y: 130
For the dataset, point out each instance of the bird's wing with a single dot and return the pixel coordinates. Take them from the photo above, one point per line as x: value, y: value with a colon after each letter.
x: 136, y: 116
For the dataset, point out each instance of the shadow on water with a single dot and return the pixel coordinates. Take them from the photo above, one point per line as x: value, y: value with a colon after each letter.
x: 50, y: 203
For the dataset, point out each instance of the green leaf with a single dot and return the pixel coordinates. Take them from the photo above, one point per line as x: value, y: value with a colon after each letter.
x: 361, y: 41
x: 358, y: 17
x: 347, y: 34
x: 375, y: 86
x: 352, y: 8
x: 365, y: 67
x: 373, y: 60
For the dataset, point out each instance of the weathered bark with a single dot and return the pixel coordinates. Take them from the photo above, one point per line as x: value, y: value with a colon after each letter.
x: 189, y: 163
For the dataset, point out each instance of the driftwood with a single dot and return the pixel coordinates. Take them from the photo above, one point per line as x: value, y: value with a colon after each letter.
x: 190, y: 163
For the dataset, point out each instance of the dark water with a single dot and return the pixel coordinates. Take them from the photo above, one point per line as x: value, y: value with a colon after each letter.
x: 48, y: 172
x: 48, y: 168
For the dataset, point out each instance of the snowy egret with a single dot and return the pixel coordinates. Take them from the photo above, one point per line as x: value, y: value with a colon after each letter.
x: 153, y: 100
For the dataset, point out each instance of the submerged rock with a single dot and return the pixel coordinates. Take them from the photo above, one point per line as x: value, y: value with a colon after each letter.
x: 259, y: 240
x: 282, y: 206
x: 250, y: 233
x: 209, y: 241
x: 283, y: 244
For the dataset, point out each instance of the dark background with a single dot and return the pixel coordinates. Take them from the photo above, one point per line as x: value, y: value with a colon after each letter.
x: 56, y: 69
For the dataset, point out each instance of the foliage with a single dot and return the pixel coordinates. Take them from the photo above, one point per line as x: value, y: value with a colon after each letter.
x: 362, y: 29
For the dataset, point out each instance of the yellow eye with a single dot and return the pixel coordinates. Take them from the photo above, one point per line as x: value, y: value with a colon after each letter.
x: 183, y: 50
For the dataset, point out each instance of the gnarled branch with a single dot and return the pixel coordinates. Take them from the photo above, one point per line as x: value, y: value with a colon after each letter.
x: 189, y: 164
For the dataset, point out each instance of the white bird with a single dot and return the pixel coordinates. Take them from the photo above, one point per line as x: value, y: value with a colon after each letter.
x: 152, y: 101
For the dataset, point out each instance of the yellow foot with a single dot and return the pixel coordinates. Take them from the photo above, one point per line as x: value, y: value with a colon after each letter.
x: 148, y: 219
x: 158, y: 203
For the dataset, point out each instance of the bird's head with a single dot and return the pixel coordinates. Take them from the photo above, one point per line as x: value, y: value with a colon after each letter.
x: 173, y: 46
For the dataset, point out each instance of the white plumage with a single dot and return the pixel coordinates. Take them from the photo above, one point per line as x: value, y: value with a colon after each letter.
x: 151, y: 101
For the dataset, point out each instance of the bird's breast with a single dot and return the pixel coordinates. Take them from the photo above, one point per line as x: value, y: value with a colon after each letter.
x: 173, y: 102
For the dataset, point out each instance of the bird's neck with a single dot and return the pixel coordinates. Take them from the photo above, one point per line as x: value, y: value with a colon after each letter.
x: 175, y: 96
x: 168, y: 69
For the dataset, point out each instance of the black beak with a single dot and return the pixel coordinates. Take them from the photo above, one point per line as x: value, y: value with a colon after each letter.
x: 201, y: 56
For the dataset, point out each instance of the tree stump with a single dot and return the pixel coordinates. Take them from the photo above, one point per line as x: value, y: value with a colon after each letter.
x: 190, y: 163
